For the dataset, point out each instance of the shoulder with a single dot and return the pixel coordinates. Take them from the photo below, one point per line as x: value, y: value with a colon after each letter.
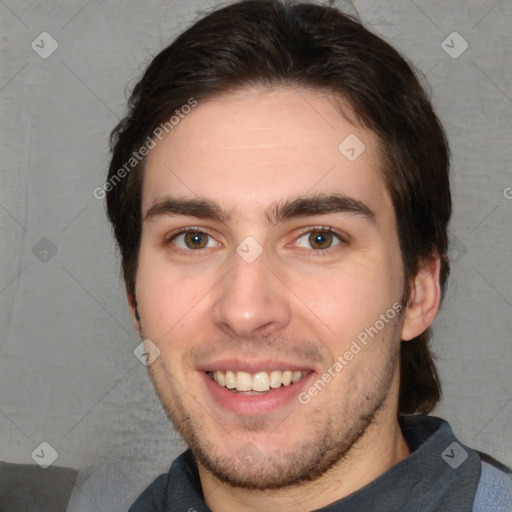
x: 153, y: 497
x: 176, y: 490
x: 494, y: 492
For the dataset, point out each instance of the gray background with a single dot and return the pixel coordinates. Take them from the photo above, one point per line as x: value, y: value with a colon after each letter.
x: 67, y: 371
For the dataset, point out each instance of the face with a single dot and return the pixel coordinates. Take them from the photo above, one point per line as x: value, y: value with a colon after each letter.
x: 270, y: 264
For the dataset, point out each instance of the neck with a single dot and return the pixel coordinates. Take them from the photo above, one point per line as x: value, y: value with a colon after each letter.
x: 382, y: 446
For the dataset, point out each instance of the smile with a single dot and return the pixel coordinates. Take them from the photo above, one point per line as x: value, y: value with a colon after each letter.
x: 259, y: 382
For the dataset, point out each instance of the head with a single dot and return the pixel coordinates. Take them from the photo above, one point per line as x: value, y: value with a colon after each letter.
x: 250, y: 121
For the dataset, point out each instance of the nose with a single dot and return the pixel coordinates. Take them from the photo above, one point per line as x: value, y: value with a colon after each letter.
x: 251, y: 299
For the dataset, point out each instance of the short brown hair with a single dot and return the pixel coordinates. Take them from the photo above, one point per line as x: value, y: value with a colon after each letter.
x: 279, y: 42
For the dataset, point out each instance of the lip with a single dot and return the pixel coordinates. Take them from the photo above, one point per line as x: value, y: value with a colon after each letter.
x: 252, y: 405
x: 262, y: 365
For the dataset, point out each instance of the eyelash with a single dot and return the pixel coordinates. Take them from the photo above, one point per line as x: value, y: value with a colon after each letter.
x: 198, y: 252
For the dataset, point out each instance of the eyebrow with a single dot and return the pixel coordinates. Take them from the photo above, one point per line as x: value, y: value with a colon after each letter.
x: 302, y: 206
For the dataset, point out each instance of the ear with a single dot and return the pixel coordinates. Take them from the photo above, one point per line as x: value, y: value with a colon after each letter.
x: 424, y: 299
x: 132, y: 305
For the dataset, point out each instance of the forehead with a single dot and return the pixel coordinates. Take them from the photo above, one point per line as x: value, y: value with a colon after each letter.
x: 248, y: 148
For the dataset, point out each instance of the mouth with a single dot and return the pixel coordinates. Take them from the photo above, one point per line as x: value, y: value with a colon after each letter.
x: 256, y: 383
x: 259, y: 392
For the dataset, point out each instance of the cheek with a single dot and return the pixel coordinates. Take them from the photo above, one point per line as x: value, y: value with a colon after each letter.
x: 351, y: 298
x: 156, y: 291
x: 169, y: 302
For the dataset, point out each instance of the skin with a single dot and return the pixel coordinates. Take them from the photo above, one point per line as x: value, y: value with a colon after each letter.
x: 296, y: 302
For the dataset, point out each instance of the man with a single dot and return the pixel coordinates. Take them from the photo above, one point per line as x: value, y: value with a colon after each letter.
x: 279, y: 192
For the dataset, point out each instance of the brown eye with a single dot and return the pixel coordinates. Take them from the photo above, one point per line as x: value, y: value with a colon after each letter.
x: 320, y: 239
x: 195, y: 240
x: 190, y: 239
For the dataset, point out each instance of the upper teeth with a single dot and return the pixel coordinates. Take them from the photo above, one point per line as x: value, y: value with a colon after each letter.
x: 261, y: 381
